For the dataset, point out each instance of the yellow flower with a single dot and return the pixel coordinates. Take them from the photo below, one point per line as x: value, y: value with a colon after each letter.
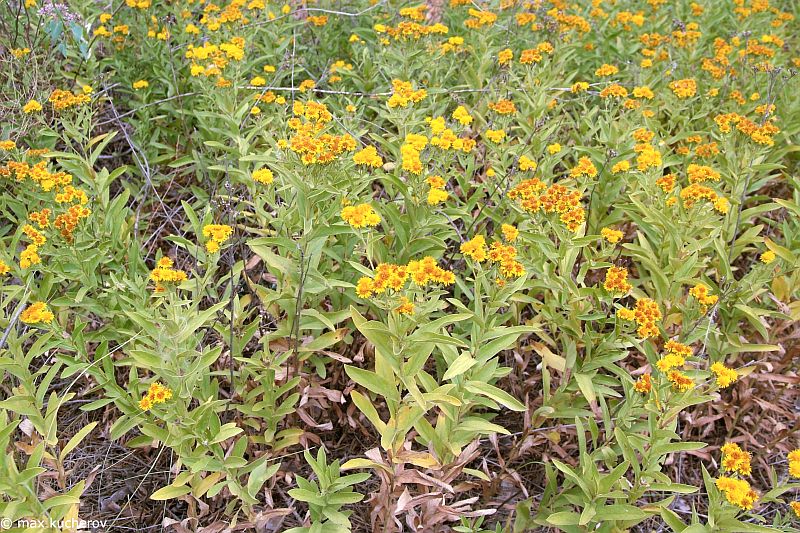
x: 510, y: 233
x: 216, y: 234
x: 505, y: 56
x: 462, y: 116
x: 368, y: 157
x: 526, y: 163
x: 606, y: 70
x: 7, y: 145
x: 360, y: 216
x: 734, y: 459
x: 644, y: 384
x: 701, y: 292
x: 622, y: 166
x: 680, y: 381
x: 141, y: 84
x: 263, y: 175
x: 258, y: 81
x: 406, y: 307
x: 670, y: 361
x: 31, y: 107
x: 579, y: 87
x: 725, y: 376
x: 617, y: 280
x: 496, y: 136
x: 794, y: 463
x: 737, y: 492
x: 165, y: 274
x: 796, y: 508
x: 475, y: 248
x: 156, y: 394
x: 585, y: 167
x: 611, y: 235
x: 35, y: 313
x: 437, y: 196
x: 767, y: 257
x: 685, y: 88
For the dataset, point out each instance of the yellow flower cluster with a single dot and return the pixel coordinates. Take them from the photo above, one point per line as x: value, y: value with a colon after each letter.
x: 360, y: 216
x: 504, y: 255
x: 737, y: 491
x: 617, y: 280
x: 475, y: 248
x: 734, y: 459
x: 612, y: 235
x: 210, y: 59
x: 648, y: 156
x: 526, y: 163
x: 510, y: 233
x: 61, y: 99
x: 503, y: 107
x: 368, y: 157
x: 644, y: 384
x: 761, y: 134
x: 216, y: 234
x: 585, y: 167
x: 794, y: 463
x: 445, y: 138
x: 394, y: 277
x: 403, y: 94
x: 67, y: 222
x: 672, y: 361
x: 685, y: 88
x: 701, y: 173
x: 496, y: 136
x: 462, y: 116
x: 36, y: 313
x: 156, y: 394
x: 646, y: 314
x: 406, y: 306
x: 410, y: 152
x: 680, y: 381
x: 725, y: 376
x: 606, y: 70
x: 32, y: 106
x: 165, y: 274
x: 436, y: 194
x: 701, y: 293
x: 556, y: 199
x: 410, y: 30
x: 263, y: 175
x: 479, y: 18
x: 696, y: 192
x: 313, y: 146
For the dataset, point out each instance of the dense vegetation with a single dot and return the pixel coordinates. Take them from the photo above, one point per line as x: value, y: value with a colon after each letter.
x: 394, y: 266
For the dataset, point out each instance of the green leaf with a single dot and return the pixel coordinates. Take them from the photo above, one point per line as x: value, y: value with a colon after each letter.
x: 620, y: 512
x: 372, y: 382
x: 169, y: 492
x: 76, y: 439
x: 461, y: 364
x: 225, y: 432
x: 260, y: 475
x: 496, y: 394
